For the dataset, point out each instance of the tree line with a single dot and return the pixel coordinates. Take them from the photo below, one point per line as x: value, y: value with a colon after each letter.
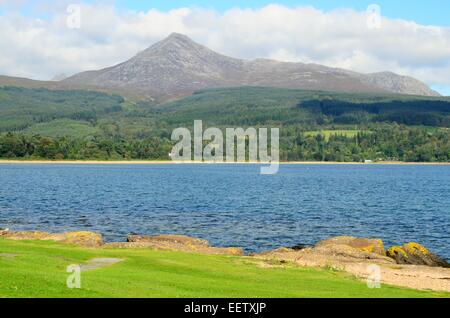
x: 385, y: 142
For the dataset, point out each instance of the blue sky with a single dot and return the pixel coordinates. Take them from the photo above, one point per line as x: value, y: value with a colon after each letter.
x: 430, y: 12
x: 435, y: 12
x: 442, y: 89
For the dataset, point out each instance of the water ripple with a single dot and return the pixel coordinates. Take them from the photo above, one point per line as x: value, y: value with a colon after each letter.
x: 233, y: 205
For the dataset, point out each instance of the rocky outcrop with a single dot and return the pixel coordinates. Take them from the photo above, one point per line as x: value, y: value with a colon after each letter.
x: 299, y: 247
x: 348, y: 249
x: 170, y: 239
x: 86, y: 239
x: 363, y: 244
x: 325, y: 255
x: 359, y: 256
x: 415, y: 254
x: 161, y: 242
x: 175, y: 243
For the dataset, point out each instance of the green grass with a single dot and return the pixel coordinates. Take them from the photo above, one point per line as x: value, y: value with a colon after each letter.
x: 328, y: 133
x: 39, y: 270
x: 63, y: 127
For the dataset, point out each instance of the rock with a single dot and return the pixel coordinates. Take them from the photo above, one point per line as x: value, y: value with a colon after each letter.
x: 176, y: 239
x: 236, y: 251
x: 415, y: 254
x: 363, y: 244
x: 326, y: 255
x: 358, y: 263
x: 175, y: 243
x: 347, y: 253
x: 27, y: 235
x: 299, y: 247
x: 276, y: 252
x: 86, y: 239
x: 3, y: 231
x: 334, y: 252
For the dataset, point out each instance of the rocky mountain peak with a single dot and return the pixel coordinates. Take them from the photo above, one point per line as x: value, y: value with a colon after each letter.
x: 178, y: 66
x: 175, y: 44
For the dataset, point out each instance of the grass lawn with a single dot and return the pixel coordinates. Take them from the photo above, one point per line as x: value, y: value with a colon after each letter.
x: 39, y: 270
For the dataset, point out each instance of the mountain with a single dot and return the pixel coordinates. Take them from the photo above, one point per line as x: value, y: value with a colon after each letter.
x: 178, y: 66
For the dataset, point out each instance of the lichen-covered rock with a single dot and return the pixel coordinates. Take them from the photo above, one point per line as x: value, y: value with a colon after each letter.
x: 86, y: 239
x: 398, y: 254
x: 349, y: 253
x: 326, y: 255
x: 27, y: 235
x: 357, y: 262
x: 175, y: 243
x: 375, y: 246
x: 415, y: 254
x: 177, y: 239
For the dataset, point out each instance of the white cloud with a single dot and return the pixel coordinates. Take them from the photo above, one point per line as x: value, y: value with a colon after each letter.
x: 340, y: 38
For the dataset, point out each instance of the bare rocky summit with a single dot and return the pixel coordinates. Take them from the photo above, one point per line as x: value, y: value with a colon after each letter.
x: 178, y: 66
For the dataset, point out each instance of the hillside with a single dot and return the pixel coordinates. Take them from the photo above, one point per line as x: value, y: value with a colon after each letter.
x: 25, y: 82
x: 21, y: 108
x: 259, y: 105
x: 41, y: 110
x: 315, y: 125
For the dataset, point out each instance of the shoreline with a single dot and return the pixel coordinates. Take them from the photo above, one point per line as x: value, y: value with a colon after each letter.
x: 418, y: 269
x: 167, y: 162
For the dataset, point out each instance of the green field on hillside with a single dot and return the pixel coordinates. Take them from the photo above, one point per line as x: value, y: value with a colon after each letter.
x: 38, y: 269
x: 63, y: 127
x: 328, y: 133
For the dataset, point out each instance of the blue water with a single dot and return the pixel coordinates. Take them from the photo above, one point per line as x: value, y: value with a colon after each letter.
x: 233, y: 205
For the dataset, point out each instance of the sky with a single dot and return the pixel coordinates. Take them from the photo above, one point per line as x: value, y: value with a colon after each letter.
x: 38, y: 38
x: 435, y: 12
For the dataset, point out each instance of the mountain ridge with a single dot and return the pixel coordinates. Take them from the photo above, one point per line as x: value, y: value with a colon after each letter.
x: 177, y: 66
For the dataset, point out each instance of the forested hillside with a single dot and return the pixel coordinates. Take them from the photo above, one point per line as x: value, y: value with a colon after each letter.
x: 21, y: 108
x: 320, y: 126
